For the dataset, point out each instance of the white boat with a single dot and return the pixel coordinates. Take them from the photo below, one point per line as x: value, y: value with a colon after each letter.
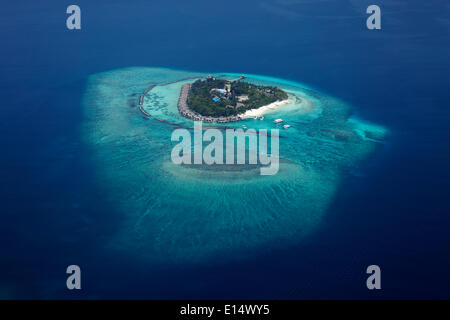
x: 278, y: 120
x: 286, y: 126
x: 261, y: 118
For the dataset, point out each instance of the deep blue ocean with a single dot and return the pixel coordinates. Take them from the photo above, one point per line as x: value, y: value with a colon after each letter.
x: 393, y: 212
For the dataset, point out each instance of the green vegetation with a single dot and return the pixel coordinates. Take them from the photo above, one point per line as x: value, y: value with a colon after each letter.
x: 242, y: 96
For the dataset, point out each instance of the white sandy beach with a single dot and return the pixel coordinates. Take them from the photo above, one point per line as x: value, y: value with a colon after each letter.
x: 264, y: 109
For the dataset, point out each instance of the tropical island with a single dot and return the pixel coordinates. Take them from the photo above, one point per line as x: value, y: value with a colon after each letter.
x: 223, y: 100
x: 132, y: 155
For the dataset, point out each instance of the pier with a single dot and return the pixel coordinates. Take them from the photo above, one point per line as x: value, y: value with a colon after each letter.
x: 237, y: 79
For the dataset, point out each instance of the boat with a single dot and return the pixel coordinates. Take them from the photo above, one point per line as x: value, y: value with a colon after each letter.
x: 278, y: 120
x: 286, y: 126
x: 261, y: 118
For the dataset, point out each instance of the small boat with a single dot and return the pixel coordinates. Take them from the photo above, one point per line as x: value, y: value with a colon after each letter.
x: 255, y: 117
x: 261, y: 118
x: 286, y: 126
x: 278, y: 120
x: 244, y: 126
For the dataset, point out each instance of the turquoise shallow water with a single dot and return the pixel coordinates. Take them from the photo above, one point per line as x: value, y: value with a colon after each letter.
x: 177, y: 213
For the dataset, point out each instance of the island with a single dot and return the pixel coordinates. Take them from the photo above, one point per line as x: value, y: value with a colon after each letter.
x: 224, y: 100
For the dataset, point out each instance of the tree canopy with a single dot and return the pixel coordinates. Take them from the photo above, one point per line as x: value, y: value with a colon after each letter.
x: 202, y: 92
